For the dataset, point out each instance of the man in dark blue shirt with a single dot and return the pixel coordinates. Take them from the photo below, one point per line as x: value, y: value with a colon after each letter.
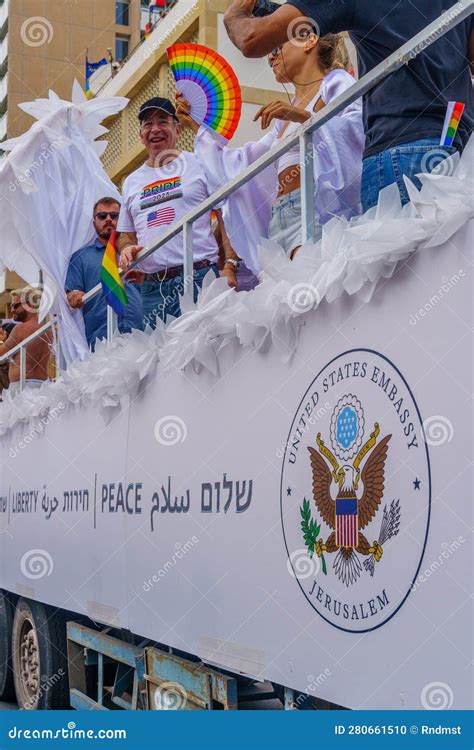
x: 84, y: 274
x: 404, y: 114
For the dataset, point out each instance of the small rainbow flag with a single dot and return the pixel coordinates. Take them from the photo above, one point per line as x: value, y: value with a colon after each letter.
x: 451, y: 123
x: 112, y: 284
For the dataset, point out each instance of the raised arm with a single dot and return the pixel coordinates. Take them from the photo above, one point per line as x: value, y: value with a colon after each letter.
x: 256, y: 37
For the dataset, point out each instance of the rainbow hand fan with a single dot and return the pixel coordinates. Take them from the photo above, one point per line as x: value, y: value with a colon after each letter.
x: 210, y: 85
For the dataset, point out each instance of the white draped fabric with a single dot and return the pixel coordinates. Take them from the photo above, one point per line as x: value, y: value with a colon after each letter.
x: 351, y: 259
x: 338, y: 148
x: 48, y: 185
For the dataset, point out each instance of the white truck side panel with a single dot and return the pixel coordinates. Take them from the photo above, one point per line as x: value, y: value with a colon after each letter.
x: 237, y: 585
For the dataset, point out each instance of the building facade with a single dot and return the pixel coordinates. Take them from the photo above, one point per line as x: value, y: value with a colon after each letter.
x: 43, y: 45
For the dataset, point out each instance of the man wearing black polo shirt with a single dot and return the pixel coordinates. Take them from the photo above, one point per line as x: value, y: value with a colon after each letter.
x: 404, y: 114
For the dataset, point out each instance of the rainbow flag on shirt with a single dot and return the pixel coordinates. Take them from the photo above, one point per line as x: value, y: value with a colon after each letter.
x: 112, y: 284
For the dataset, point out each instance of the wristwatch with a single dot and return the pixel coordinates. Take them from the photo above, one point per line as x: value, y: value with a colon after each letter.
x: 234, y: 263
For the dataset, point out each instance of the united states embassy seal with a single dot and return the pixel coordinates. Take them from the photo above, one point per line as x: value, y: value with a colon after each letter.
x: 355, y: 491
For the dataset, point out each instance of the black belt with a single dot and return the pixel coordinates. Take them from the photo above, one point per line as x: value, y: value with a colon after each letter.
x: 171, y: 273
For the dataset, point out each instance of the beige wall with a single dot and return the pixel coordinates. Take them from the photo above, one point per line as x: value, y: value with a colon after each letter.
x: 134, y: 23
x: 68, y: 28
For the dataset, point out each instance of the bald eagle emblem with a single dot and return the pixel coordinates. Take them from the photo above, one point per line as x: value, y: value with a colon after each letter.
x: 354, y: 506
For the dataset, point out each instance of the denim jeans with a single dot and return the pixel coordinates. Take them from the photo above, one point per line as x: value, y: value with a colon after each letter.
x: 161, y: 298
x: 389, y: 166
x: 285, y: 224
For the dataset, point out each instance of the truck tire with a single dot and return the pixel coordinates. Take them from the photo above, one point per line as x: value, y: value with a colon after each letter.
x: 7, y: 689
x: 39, y: 656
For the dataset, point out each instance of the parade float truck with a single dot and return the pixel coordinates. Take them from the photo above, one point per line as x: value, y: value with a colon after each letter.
x: 270, y: 496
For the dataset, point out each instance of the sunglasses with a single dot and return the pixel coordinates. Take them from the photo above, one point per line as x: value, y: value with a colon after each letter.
x: 14, y: 305
x: 101, y: 215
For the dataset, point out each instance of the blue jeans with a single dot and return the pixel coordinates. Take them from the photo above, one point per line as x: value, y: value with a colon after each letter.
x: 389, y: 166
x: 161, y: 298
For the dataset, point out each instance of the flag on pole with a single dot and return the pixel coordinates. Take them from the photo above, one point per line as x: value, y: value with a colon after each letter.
x: 91, y: 67
x: 112, y: 284
x: 451, y: 123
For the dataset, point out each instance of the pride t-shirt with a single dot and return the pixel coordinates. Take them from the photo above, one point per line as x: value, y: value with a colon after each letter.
x: 155, y: 198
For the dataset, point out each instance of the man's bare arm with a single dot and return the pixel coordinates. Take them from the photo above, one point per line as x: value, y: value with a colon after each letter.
x: 256, y: 37
x: 126, y: 238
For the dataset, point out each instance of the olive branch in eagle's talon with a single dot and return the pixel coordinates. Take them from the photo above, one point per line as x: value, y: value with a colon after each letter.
x: 311, y: 533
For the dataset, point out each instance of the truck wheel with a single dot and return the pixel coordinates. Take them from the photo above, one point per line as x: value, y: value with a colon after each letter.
x: 39, y: 656
x: 7, y: 690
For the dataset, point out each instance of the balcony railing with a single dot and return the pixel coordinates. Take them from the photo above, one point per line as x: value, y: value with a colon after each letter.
x: 3, y: 92
x: 3, y: 51
x: 3, y: 127
x: 3, y: 15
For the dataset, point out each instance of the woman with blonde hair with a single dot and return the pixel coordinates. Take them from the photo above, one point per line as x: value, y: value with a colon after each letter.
x: 269, y: 205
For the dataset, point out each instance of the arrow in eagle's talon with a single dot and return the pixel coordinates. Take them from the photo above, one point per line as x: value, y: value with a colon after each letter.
x: 320, y: 548
x: 377, y: 551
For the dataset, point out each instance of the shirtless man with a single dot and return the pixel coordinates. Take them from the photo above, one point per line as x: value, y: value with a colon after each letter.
x: 25, y: 305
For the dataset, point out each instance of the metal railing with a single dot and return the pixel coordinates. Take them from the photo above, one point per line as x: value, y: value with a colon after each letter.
x: 3, y: 127
x: 3, y: 51
x: 303, y: 136
x: 3, y: 15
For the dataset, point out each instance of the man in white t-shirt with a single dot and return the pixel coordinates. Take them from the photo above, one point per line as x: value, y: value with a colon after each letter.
x: 157, y: 194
